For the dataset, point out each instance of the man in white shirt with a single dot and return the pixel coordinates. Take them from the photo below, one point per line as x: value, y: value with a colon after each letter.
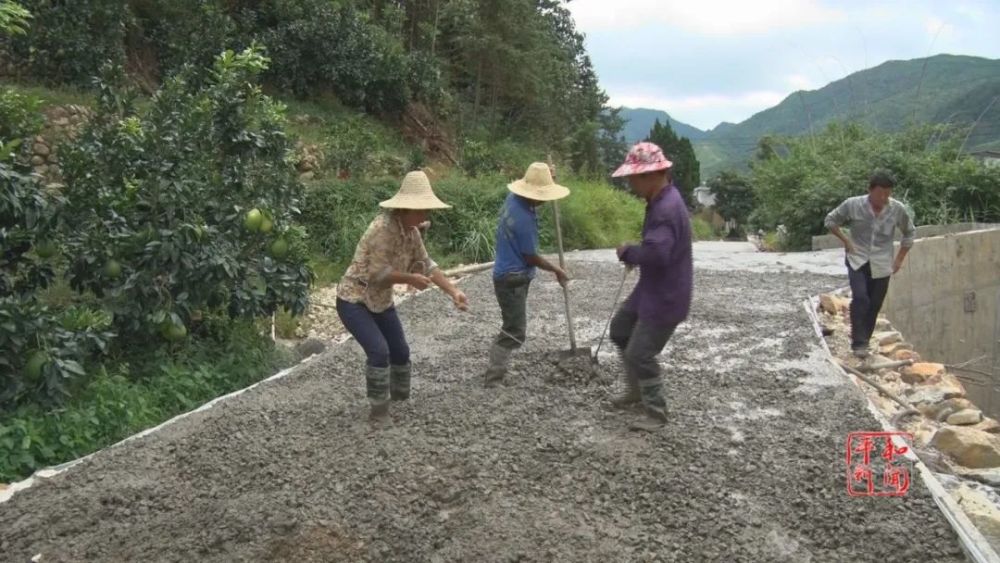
x: 873, y: 220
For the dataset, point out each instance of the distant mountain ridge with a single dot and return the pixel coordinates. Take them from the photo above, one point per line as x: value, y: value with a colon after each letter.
x: 640, y: 120
x: 940, y: 89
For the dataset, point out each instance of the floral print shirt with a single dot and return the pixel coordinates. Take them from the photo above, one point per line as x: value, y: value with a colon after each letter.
x: 385, y: 247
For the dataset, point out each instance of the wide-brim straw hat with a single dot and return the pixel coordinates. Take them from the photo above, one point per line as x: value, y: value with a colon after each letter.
x: 415, y: 193
x: 642, y: 158
x: 538, y: 185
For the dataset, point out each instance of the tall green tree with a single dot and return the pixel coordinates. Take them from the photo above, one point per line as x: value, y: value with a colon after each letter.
x: 611, y: 139
x: 687, y: 169
x: 734, y: 199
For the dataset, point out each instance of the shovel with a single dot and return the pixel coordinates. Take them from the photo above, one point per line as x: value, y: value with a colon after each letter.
x: 573, y: 351
x: 908, y: 409
x: 614, y: 309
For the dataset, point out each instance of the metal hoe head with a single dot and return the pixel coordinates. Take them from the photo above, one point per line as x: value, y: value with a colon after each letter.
x: 575, y: 353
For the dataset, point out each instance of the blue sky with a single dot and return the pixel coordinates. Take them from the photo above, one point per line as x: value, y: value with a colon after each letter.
x: 708, y: 61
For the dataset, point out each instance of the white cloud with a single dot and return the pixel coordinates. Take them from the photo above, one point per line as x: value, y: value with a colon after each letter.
x: 705, y: 17
x: 800, y: 82
x: 935, y: 26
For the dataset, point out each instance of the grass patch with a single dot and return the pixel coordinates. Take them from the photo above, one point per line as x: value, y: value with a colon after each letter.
x: 350, y: 140
x: 135, y: 393
x: 286, y: 326
x: 49, y: 96
x: 595, y: 215
x: 773, y: 242
x: 307, y: 119
x: 326, y: 271
x: 702, y: 229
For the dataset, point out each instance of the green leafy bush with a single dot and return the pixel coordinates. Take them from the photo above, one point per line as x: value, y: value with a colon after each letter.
x: 318, y: 45
x: 141, y: 391
x: 358, y: 146
x: 13, y: 18
x: 702, y: 229
x: 177, y: 208
x: 20, y: 117
x: 797, y: 181
x: 174, y: 33
x: 62, y: 45
x: 41, y: 353
x: 484, y: 157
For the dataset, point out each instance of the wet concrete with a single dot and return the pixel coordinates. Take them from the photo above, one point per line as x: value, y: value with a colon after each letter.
x: 750, y: 466
x: 743, y: 256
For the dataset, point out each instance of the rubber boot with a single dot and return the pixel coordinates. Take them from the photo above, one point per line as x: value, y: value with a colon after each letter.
x: 399, y: 382
x: 653, y: 405
x: 630, y: 395
x: 499, y: 358
x: 377, y: 380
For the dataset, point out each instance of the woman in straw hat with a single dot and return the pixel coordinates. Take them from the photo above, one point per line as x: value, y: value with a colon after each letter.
x: 662, y: 298
x: 390, y: 252
x: 516, y: 260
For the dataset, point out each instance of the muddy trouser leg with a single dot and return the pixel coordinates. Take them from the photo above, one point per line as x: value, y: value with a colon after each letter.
x: 512, y: 295
x: 360, y: 322
x: 643, y: 346
x: 622, y: 325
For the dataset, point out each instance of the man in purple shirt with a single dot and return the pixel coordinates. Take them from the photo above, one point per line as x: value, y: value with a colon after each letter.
x: 662, y: 298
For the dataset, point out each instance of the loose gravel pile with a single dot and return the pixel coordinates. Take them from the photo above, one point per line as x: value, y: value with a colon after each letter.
x: 749, y: 468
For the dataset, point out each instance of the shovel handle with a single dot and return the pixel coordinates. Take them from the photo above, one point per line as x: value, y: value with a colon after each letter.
x: 562, y: 264
x: 614, y: 307
x: 875, y: 384
x: 555, y: 211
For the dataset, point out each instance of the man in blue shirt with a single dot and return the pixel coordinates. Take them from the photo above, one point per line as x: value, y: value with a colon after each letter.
x: 517, y: 260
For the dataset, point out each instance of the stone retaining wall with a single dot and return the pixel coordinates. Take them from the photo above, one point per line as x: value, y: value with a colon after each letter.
x: 946, y: 299
x: 62, y: 123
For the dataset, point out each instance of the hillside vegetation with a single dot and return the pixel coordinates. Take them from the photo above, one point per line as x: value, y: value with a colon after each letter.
x: 233, y: 152
x: 940, y: 90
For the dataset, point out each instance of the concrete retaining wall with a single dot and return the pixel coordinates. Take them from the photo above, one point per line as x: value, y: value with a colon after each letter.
x: 825, y: 242
x: 945, y: 300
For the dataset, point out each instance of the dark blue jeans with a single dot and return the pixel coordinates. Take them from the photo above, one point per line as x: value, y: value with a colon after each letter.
x: 867, y: 295
x: 379, y: 334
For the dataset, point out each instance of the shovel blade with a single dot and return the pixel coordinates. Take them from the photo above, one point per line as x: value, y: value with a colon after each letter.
x: 575, y: 353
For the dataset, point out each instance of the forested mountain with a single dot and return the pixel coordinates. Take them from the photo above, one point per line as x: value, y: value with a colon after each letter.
x: 941, y: 89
